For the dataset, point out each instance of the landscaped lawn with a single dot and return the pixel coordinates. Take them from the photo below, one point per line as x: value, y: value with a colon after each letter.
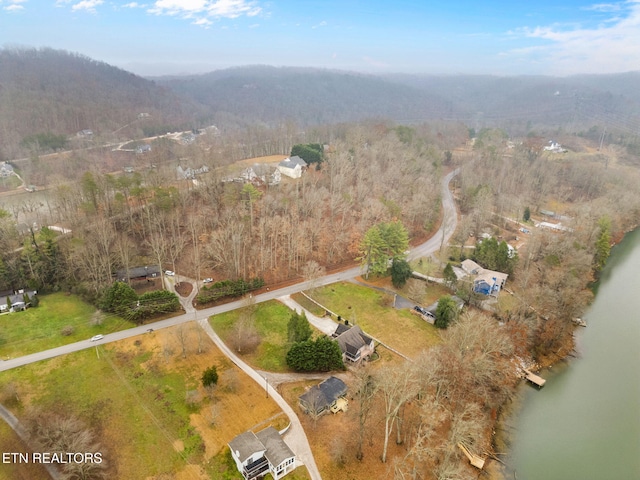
x: 371, y: 309
x: 41, y: 328
x: 271, y: 319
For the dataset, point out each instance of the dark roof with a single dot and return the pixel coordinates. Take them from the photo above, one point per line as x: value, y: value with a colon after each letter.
x: 139, y: 272
x: 16, y: 298
x: 245, y: 445
x: 351, y: 339
x: 321, y: 396
x: 276, y: 450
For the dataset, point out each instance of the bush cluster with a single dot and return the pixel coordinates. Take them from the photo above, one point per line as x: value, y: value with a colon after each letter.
x: 228, y: 288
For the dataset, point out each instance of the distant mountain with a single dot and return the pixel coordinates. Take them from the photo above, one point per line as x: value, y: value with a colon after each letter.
x: 307, y: 96
x: 56, y: 93
x: 52, y: 91
x: 579, y: 101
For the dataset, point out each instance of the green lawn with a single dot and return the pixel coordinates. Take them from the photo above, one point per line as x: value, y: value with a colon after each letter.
x: 40, y: 328
x: 122, y: 402
x: 372, y: 311
x: 271, y: 319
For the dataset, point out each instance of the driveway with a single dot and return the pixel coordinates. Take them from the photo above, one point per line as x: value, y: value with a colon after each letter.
x: 296, y: 437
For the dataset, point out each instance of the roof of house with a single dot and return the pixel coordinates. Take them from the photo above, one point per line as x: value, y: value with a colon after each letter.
x: 139, y: 272
x: 277, y: 451
x: 16, y: 298
x: 351, y: 339
x: 292, y: 162
x: 470, y: 266
x: 245, y: 445
x: 324, y: 394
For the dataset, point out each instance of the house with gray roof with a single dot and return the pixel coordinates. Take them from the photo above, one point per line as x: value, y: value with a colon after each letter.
x: 148, y: 272
x: 257, y: 454
x: 292, y: 166
x: 324, y: 397
x: 17, y: 300
x: 354, y: 344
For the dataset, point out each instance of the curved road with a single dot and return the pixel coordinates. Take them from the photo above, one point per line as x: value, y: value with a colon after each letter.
x: 296, y: 435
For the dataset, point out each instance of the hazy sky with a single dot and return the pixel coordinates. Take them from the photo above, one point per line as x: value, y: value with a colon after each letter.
x: 192, y: 36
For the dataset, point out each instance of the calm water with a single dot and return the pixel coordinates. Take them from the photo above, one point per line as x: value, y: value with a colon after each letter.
x: 585, y: 423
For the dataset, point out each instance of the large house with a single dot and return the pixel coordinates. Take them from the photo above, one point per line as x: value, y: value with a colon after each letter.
x: 486, y: 282
x: 261, y: 174
x: 292, y: 167
x: 324, y: 397
x: 354, y: 344
x: 257, y: 454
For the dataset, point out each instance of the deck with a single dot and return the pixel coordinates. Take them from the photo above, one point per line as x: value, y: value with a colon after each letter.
x: 535, y: 379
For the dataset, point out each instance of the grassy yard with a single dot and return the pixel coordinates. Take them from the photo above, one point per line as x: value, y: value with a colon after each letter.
x: 134, y: 396
x: 371, y: 309
x: 271, y: 319
x: 41, y: 328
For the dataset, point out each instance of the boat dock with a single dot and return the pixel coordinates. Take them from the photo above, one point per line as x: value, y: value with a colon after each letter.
x: 535, y: 379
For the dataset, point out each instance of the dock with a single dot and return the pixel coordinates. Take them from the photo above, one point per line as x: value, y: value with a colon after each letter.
x: 474, y: 460
x: 535, y: 379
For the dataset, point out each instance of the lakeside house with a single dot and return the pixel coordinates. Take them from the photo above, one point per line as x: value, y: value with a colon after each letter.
x: 486, y: 282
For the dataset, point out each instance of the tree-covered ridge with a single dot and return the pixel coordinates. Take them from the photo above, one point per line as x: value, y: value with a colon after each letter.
x: 52, y: 92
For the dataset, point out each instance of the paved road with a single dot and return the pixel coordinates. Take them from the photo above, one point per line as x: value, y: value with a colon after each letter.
x: 430, y: 246
x: 295, y: 436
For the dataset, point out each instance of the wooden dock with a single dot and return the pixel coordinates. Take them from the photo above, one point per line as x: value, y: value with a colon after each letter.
x: 475, y: 460
x: 535, y: 379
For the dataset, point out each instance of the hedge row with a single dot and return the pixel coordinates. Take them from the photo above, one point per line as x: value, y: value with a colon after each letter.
x: 228, y: 288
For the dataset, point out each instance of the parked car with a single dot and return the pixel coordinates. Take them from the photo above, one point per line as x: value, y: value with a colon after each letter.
x: 207, y: 280
x: 169, y: 273
x: 95, y: 338
x: 524, y: 230
x: 420, y: 309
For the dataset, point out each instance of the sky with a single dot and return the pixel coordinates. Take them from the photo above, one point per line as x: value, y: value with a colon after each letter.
x: 168, y: 37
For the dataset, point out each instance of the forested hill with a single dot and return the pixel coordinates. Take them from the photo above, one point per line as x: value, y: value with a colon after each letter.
x: 307, y: 96
x: 53, y: 91
x: 522, y: 103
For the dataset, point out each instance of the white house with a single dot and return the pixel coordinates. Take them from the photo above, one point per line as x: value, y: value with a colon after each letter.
x: 261, y: 173
x: 6, y: 169
x: 292, y: 167
x: 257, y: 454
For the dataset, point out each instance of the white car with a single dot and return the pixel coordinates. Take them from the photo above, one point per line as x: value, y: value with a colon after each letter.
x: 207, y: 280
x: 169, y: 273
x: 95, y: 338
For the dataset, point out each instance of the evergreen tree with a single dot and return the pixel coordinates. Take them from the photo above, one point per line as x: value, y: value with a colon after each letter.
x: 118, y: 298
x: 381, y: 243
x: 400, y: 272
x: 527, y: 214
x: 449, y: 275
x: 298, y: 328
x: 446, y: 311
x: 322, y: 354
x: 210, y: 377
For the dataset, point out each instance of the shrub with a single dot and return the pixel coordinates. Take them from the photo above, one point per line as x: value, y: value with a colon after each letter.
x: 210, y: 377
x: 67, y: 331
